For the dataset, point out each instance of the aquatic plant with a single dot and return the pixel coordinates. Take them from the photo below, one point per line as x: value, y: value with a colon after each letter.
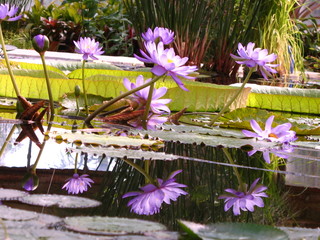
x: 157, y: 105
x: 280, y: 133
x: 256, y: 58
x: 89, y: 48
x: 77, y: 184
x: 149, y: 201
x: 166, y: 62
x: 244, y: 200
x: 158, y: 34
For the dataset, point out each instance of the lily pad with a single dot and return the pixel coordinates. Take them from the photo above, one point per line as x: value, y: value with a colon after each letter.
x: 62, y: 201
x: 16, y: 214
x: 128, y: 153
x: 112, y: 225
x: 103, y: 140
x: 233, y: 231
x: 296, y: 233
x: 11, y: 194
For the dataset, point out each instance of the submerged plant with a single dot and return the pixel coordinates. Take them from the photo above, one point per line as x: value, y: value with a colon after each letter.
x: 149, y: 201
x: 244, y: 200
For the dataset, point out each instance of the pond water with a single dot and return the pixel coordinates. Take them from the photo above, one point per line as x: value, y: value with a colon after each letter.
x: 293, y: 182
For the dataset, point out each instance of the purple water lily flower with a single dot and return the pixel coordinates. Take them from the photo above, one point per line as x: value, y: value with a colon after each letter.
x: 157, y: 105
x: 164, y: 35
x: 40, y: 43
x: 7, y: 13
x: 167, y: 62
x: 149, y: 201
x: 256, y: 58
x: 154, y: 121
x: 244, y: 201
x: 88, y: 47
x: 77, y: 184
x: 281, y: 152
x: 280, y: 133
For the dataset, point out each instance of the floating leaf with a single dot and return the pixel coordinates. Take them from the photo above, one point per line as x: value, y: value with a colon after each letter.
x: 70, y: 66
x: 128, y: 153
x: 103, y: 140
x: 284, y: 99
x: 112, y: 225
x: 11, y: 194
x: 36, y: 73
x: 16, y: 214
x: 119, y: 73
x: 296, y: 233
x: 62, y: 201
x: 233, y: 231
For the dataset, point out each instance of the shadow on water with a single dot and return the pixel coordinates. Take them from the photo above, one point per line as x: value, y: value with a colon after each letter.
x: 293, y: 183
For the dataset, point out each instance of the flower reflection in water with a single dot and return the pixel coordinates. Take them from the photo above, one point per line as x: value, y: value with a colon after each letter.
x: 78, y: 184
x: 245, y: 200
x: 149, y: 201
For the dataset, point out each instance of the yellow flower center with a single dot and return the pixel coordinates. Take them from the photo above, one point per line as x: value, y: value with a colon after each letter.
x: 272, y: 135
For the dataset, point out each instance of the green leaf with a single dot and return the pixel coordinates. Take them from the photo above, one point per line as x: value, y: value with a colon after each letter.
x: 71, y: 66
x: 119, y: 73
x: 35, y: 66
x: 35, y: 73
x: 233, y: 231
x: 284, y: 99
x: 62, y: 201
x: 117, y: 226
x: 102, y: 140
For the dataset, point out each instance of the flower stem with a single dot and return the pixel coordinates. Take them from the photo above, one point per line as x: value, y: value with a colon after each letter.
x: 141, y: 170
x: 84, y: 89
x: 48, y: 83
x: 114, y: 100
x: 76, y: 163
x: 146, y: 111
x: 235, y: 170
x: 5, y: 144
x: 8, y: 63
x: 232, y: 99
x: 34, y: 166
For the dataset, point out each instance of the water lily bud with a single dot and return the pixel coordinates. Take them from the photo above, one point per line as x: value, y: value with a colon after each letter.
x: 40, y: 43
x: 77, y: 91
x: 30, y: 182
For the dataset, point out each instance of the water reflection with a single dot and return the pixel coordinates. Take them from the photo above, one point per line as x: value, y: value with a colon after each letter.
x: 206, y: 181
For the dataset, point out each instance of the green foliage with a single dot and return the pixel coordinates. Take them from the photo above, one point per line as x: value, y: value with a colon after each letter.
x: 278, y: 33
x: 181, y: 16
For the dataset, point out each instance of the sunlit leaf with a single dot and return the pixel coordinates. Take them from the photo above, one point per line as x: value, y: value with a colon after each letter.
x: 284, y: 99
x: 233, y: 231
x: 102, y: 140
